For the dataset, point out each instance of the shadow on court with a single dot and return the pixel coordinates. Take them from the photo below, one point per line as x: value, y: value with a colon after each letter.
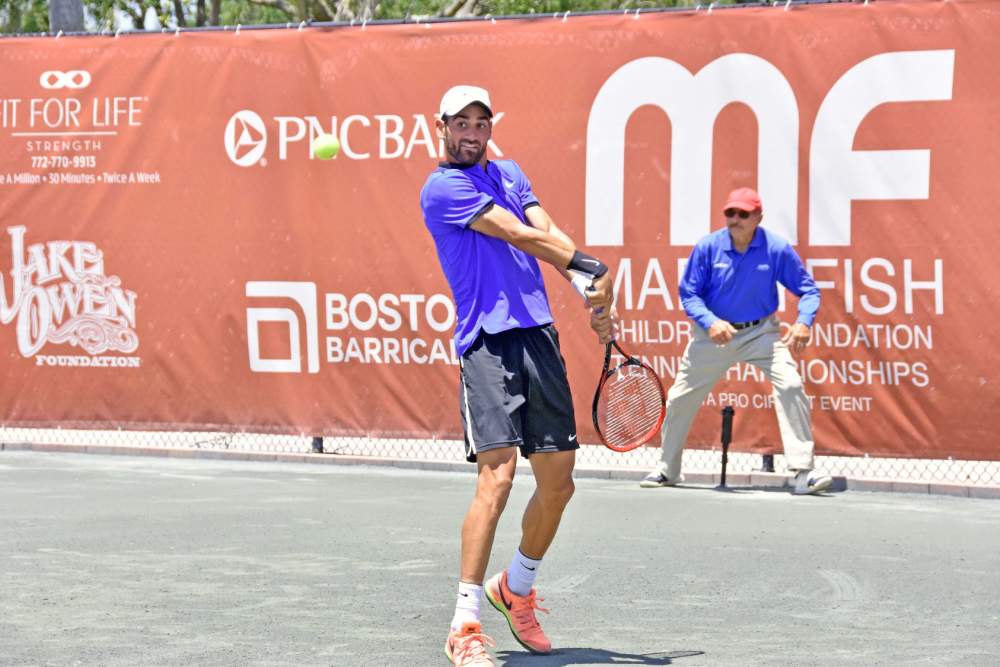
x: 737, y: 490
x: 590, y: 656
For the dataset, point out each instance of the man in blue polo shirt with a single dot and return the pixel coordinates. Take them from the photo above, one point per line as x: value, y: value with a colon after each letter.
x: 729, y: 289
x: 490, y: 230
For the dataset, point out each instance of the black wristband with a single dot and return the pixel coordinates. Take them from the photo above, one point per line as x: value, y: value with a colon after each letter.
x: 584, y: 263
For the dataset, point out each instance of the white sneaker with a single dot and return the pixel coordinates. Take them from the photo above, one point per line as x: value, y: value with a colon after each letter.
x: 807, y: 482
x: 657, y: 478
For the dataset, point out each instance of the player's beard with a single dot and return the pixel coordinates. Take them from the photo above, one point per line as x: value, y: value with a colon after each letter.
x: 465, y: 156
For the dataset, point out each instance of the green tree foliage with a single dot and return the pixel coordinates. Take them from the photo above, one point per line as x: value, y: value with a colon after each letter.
x: 26, y: 16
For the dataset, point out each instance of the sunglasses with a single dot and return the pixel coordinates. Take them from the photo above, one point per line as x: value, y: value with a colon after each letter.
x: 733, y: 212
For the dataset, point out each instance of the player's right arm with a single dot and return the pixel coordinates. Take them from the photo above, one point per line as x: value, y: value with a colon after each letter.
x: 555, y: 249
x: 500, y: 223
x: 602, y: 318
x: 449, y: 201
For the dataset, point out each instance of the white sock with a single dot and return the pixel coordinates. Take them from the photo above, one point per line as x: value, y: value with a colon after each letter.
x: 467, y: 605
x: 521, y: 573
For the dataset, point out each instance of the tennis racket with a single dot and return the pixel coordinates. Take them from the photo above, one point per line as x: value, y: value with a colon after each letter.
x: 629, y: 404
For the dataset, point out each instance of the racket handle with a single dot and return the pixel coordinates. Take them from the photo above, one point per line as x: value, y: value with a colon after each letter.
x: 727, y: 437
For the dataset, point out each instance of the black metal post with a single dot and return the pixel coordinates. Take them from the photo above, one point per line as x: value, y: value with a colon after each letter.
x: 767, y: 463
x: 317, y: 444
x: 727, y: 437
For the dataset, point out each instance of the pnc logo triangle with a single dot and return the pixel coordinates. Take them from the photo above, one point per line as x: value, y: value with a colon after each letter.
x: 248, y: 137
x: 245, y: 138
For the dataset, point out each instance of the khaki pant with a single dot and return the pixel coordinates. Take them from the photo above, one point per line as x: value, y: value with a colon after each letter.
x: 704, y: 363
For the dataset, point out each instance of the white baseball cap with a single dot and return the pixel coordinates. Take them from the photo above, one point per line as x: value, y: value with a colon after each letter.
x: 459, y: 97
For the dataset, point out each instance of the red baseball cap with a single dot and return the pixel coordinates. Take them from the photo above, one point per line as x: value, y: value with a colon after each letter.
x: 744, y: 199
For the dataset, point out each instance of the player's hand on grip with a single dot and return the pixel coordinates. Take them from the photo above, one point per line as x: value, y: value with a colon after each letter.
x: 797, y: 337
x: 603, y: 324
x: 721, y: 332
x: 601, y: 293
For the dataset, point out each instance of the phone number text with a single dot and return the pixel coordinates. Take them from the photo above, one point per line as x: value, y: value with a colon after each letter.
x: 63, y: 161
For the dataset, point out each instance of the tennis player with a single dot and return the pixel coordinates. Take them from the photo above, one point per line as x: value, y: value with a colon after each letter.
x: 490, y: 230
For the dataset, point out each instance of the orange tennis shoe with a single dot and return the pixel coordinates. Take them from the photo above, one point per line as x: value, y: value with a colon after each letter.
x: 519, y: 610
x: 467, y: 647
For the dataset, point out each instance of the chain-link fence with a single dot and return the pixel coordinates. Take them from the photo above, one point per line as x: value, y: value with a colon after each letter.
x: 949, y: 470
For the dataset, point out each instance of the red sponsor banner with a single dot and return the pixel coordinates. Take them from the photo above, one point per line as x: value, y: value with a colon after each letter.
x: 172, y: 257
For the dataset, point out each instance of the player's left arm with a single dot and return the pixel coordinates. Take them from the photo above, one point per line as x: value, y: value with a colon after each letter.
x: 793, y: 275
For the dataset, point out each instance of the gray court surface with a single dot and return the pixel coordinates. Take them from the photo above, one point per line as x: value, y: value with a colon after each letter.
x: 117, y: 560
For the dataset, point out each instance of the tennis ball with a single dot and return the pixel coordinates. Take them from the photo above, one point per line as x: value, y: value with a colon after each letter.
x: 325, y: 147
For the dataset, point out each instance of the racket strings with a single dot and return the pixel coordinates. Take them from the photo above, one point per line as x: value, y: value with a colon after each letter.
x: 630, y: 407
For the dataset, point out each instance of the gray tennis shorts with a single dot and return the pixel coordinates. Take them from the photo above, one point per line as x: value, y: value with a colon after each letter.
x: 514, y: 393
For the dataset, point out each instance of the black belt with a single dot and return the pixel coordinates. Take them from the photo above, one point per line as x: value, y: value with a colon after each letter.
x: 746, y: 325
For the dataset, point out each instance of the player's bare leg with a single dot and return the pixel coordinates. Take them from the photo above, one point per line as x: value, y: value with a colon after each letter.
x: 554, y: 488
x: 511, y: 591
x: 496, y: 476
x: 467, y: 645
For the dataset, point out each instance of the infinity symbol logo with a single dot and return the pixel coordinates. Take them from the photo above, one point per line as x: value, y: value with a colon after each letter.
x: 53, y: 80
